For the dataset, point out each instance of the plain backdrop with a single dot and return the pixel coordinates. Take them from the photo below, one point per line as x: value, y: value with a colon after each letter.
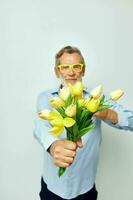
x: 31, y: 32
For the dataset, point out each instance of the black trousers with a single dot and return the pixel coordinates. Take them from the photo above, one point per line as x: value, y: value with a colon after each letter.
x: 45, y: 194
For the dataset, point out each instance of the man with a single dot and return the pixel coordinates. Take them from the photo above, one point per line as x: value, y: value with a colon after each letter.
x: 80, y: 158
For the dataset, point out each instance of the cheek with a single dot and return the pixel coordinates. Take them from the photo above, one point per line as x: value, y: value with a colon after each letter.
x: 62, y: 75
x: 79, y: 75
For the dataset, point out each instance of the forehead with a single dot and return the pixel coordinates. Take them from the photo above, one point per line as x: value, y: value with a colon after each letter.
x: 68, y: 58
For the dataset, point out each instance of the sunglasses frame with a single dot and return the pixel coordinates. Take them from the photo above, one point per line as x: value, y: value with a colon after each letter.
x: 70, y: 66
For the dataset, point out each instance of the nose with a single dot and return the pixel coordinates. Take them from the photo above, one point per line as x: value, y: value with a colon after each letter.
x: 71, y: 72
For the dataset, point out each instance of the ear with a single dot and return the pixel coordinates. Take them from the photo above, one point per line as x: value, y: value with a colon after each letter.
x: 56, y: 72
x: 83, y: 73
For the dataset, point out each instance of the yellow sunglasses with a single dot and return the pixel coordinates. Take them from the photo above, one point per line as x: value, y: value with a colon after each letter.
x: 66, y: 67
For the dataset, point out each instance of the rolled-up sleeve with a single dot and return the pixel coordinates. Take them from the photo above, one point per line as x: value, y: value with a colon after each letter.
x: 41, y: 126
x: 125, y: 118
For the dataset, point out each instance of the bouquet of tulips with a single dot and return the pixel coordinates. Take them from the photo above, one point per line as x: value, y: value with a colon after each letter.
x: 74, y: 112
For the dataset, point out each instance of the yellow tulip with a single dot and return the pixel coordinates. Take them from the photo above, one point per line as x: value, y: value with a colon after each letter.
x: 71, y: 110
x: 56, y: 102
x: 68, y: 122
x: 64, y: 93
x: 96, y: 92
x: 56, y: 130
x: 48, y: 114
x: 56, y: 120
x: 115, y: 95
x: 93, y: 105
x: 59, y: 124
x: 60, y: 121
x: 44, y: 114
x: 82, y: 102
x: 76, y: 89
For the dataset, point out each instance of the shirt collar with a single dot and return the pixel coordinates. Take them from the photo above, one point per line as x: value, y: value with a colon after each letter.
x: 56, y: 90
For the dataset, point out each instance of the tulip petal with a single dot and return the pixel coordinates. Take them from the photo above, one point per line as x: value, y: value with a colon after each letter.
x: 56, y: 130
x: 55, y: 115
x: 96, y: 92
x: 93, y: 105
x: 115, y: 95
x: 68, y: 122
x: 78, y: 88
x: 44, y: 114
x: 64, y: 93
x: 56, y: 102
x: 57, y: 122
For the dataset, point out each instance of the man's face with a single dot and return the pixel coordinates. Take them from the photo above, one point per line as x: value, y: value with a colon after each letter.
x: 70, y: 75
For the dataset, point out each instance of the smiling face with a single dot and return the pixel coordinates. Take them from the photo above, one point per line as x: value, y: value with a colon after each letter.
x: 70, y: 75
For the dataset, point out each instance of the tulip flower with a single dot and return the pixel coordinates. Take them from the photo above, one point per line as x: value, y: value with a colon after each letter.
x: 49, y: 115
x: 77, y: 89
x: 56, y: 130
x: 45, y: 114
x: 82, y: 102
x: 56, y: 120
x: 59, y: 123
x: 71, y: 110
x: 93, y: 105
x: 115, y: 95
x: 56, y: 102
x: 64, y: 93
x: 96, y: 92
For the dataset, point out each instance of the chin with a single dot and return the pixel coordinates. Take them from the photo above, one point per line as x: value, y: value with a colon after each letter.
x: 72, y: 81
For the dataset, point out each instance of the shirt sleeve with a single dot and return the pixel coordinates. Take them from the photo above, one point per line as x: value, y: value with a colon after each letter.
x: 125, y: 117
x: 41, y: 126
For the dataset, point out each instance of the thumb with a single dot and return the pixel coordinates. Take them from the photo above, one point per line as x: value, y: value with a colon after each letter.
x: 79, y: 143
x: 97, y: 114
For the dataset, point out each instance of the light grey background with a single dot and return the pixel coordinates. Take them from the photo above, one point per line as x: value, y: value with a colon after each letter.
x: 31, y: 32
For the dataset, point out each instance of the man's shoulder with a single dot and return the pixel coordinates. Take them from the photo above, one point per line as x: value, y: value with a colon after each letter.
x: 47, y: 93
x: 44, y: 97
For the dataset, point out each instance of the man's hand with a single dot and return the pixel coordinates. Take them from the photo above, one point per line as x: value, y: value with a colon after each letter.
x: 107, y: 114
x: 63, y: 152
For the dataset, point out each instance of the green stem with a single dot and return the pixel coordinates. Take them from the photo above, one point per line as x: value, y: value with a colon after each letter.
x: 61, y: 170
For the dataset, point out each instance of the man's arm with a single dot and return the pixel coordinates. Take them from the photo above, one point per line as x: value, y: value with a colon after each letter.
x: 41, y: 127
x: 117, y: 117
x: 61, y: 150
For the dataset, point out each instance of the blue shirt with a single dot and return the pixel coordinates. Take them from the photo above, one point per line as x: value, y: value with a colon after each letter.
x: 79, y: 177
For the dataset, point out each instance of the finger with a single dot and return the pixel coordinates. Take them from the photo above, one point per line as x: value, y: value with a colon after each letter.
x: 79, y: 143
x: 70, y: 145
x: 69, y: 153
x: 68, y: 160
x: 97, y: 114
x: 61, y: 164
x: 101, y: 114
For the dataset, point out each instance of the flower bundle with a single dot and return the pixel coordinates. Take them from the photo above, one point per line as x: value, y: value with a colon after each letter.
x: 74, y: 112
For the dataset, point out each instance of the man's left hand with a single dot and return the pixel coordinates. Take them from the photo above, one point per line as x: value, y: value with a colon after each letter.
x: 107, y: 114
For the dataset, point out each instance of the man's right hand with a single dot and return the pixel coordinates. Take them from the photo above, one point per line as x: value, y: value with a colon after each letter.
x: 63, y: 152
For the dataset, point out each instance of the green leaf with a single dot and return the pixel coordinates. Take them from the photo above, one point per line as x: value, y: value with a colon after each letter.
x: 87, y: 115
x: 102, y: 99
x: 78, y: 113
x: 69, y: 133
x: 102, y: 107
x: 86, y: 123
x: 84, y: 130
x: 84, y: 113
x: 75, y: 100
x: 62, y: 112
x: 61, y: 171
x: 68, y: 101
x: 75, y: 131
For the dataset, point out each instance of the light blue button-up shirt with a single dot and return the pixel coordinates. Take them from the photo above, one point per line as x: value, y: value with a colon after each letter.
x: 80, y: 176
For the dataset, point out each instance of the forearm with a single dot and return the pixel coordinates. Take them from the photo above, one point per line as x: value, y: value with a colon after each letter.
x: 125, y: 118
x: 41, y: 133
